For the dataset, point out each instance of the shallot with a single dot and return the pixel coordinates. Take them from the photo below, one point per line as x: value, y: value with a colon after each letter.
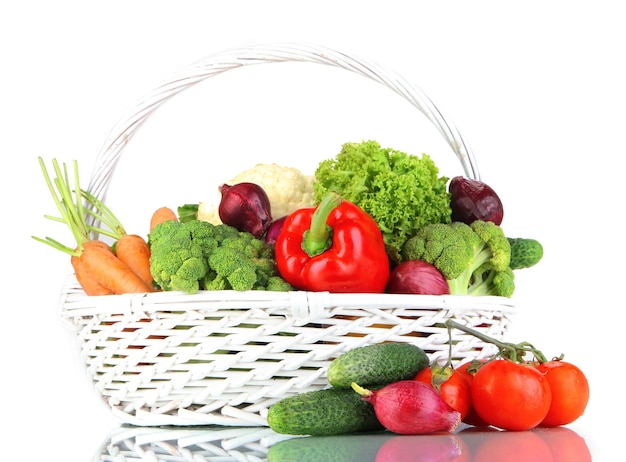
x: 409, y: 407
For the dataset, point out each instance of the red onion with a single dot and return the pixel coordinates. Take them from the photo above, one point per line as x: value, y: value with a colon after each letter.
x: 274, y: 230
x: 245, y: 206
x: 409, y: 407
x: 417, y: 277
x: 474, y: 200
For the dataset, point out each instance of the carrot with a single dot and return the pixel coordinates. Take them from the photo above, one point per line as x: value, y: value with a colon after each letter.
x: 108, y: 270
x: 161, y: 215
x: 133, y: 250
x: 86, y: 281
x: 97, y: 268
x: 90, y: 285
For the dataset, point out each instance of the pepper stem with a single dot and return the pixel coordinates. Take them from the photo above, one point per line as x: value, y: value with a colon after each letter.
x: 513, y: 351
x: 319, y: 237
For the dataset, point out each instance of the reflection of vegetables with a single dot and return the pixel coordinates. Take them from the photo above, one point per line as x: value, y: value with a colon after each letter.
x: 525, y: 252
x: 401, y: 192
x: 198, y: 255
x: 287, y: 188
x: 474, y: 258
x: 334, y: 247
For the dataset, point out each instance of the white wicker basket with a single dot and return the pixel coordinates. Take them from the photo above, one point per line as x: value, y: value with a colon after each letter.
x: 224, y: 357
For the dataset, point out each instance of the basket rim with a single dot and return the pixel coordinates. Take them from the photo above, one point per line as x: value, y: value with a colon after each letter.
x: 299, y: 305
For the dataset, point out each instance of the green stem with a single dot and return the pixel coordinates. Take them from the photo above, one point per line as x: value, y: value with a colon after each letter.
x: 319, y: 237
x: 513, y: 351
x: 105, y: 215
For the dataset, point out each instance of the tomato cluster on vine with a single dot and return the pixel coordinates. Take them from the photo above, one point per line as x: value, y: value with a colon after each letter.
x: 509, y: 392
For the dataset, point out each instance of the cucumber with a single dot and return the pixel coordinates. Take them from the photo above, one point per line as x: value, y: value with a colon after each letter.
x: 330, y: 411
x: 381, y: 363
x: 338, y: 448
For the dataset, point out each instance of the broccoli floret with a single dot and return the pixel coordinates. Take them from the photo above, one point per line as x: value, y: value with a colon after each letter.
x: 235, y: 266
x: 278, y: 284
x: 402, y: 192
x: 444, y: 246
x: 197, y: 255
x: 525, y: 252
x: 473, y: 258
x: 178, y: 254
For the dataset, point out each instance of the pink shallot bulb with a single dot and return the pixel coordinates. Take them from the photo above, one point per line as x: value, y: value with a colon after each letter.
x: 409, y: 407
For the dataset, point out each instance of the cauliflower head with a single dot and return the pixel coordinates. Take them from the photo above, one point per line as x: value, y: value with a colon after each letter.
x: 287, y: 188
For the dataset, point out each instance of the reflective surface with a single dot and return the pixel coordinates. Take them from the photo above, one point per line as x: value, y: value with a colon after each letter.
x: 537, y: 90
x: 262, y: 444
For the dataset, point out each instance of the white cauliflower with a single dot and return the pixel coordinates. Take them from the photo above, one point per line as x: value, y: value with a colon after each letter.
x: 287, y: 188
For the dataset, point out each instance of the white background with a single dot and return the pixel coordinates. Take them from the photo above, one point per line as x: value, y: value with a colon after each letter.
x: 537, y: 89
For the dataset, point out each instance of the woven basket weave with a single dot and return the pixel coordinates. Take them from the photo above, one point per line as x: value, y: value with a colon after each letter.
x: 223, y: 357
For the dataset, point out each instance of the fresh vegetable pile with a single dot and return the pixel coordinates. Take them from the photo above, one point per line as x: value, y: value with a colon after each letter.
x: 370, y: 220
x: 407, y: 395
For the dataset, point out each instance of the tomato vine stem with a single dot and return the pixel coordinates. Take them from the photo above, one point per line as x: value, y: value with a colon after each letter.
x: 512, y: 351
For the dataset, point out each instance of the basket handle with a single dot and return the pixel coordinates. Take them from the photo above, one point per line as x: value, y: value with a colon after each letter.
x: 216, y: 63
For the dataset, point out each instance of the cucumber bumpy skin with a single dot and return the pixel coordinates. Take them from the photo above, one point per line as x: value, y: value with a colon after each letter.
x: 330, y: 411
x: 381, y: 363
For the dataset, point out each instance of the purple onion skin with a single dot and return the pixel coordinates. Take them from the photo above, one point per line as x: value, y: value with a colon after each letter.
x: 245, y: 206
x: 473, y: 200
x: 417, y: 277
x: 274, y: 230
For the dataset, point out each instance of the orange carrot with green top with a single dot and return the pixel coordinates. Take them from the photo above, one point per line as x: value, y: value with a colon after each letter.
x: 97, y: 268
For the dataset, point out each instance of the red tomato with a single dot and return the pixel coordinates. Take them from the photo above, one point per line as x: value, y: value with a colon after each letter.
x: 455, y: 391
x: 510, y: 395
x: 570, y: 392
x: 471, y: 418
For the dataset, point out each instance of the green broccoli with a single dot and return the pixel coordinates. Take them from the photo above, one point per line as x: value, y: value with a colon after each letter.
x: 525, y: 252
x: 473, y: 258
x: 402, y: 192
x: 197, y: 255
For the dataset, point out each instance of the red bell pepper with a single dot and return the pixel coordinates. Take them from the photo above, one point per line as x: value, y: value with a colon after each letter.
x: 334, y: 247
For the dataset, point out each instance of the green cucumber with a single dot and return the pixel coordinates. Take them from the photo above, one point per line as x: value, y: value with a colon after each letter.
x: 330, y: 411
x: 380, y: 363
x: 338, y: 448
